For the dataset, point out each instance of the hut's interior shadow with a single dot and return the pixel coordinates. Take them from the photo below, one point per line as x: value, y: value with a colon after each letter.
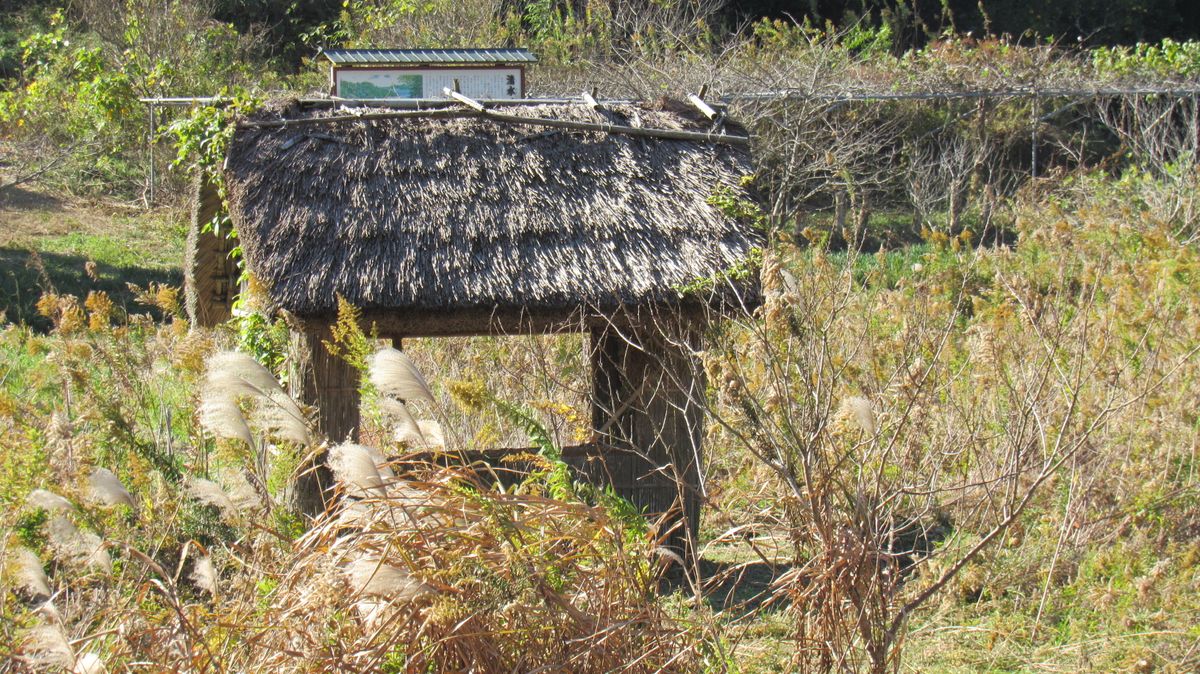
x: 25, y: 275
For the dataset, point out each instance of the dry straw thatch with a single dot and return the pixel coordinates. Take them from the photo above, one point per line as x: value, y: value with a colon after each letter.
x: 442, y: 212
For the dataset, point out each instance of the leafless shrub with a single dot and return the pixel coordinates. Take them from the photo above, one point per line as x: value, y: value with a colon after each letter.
x: 439, y: 24
x: 812, y: 155
x: 678, y: 21
x: 939, y: 171
x: 1162, y: 135
x: 159, y: 32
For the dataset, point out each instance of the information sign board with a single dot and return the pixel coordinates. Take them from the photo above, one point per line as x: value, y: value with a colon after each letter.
x: 405, y: 82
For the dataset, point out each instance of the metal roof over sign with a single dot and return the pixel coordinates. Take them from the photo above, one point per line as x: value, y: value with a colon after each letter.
x: 352, y: 57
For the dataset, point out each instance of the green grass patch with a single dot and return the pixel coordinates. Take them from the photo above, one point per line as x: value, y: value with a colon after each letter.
x: 75, y: 253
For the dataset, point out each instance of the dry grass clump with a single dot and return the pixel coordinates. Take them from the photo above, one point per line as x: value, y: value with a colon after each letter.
x: 449, y: 575
x: 441, y: 574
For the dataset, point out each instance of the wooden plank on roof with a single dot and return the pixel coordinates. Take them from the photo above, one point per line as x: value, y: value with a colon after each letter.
x: 465, y: 100
x: 703, y: 107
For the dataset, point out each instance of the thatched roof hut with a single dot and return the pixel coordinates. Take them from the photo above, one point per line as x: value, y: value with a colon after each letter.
x: 453, y: 221
x: 424, y: 214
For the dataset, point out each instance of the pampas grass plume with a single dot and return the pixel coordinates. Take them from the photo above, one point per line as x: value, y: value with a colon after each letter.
x: 242, y: 493
x: 63, y: 536
x: 371, y: 611
x: 204, y: 575
x: 104, y: 487
x: 79, y: 547
x: 424, y: 433
x: 281, y: 416
x: 221, y: 416
x: 89, y: 663
x: 31, y: 579
x: 48, y: 612
x: 210, y: 493
x: 50, y: 646
x: 97, y: 557
x: 394, y: 374
x: 431, y: 431
x: 862, y: 412
x: 48, y: 501
x: 353, y: 514
x: 381, y: 462
x: 232, y: 374
x: 370, y: 577
x: 407, y: 430
x: 355, y: 468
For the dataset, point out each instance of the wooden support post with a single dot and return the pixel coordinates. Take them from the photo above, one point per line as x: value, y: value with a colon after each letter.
x: 648, y: 399
x: 330, y: 384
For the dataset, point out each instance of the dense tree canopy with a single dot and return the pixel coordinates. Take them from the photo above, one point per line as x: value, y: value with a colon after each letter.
x: 289, y: 30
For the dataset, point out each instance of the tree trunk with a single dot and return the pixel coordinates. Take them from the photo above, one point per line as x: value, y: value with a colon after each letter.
x: 862, y: 220
x: 840, y: 208
x: 957, y: 201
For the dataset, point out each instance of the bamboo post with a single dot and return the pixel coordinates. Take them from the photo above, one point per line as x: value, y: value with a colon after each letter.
x: 589, y: 99
x: 699, y: 104
x: 1033, y: 139
x: 150, y: 152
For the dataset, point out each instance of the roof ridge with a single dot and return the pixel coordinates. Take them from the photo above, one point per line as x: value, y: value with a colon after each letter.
x: 443, y: 113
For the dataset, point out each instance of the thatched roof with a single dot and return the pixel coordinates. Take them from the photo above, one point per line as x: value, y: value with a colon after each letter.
x: 432, y: 213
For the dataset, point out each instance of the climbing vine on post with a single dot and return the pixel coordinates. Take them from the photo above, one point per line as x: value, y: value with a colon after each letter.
x: 202, y: 141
